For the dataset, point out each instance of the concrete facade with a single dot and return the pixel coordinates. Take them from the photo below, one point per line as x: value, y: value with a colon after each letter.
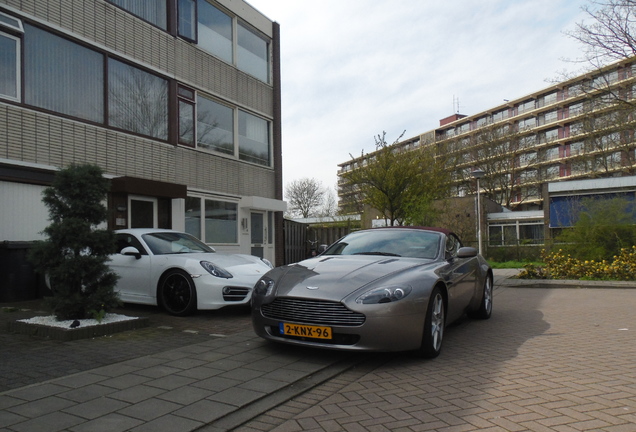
x: 162, y: 173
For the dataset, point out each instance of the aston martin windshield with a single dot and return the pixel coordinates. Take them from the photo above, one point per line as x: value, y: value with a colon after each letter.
x: 163, y: 243
x: 389, y: 242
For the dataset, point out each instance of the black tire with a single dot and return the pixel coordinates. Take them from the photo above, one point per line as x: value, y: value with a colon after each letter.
x: 434, y: 325
x: 485, y: 306
x: 177, y: 294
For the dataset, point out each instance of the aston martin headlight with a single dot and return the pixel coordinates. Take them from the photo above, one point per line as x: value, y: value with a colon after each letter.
x: 264, y: 287
x: 215, y: 270
x: 384, y: 294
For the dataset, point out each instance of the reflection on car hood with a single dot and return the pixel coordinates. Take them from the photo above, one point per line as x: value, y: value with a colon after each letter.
x: 334, y: 277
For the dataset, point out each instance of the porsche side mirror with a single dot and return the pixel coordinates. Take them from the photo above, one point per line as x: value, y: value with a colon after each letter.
x: 131, y: 251
x: 466, y: 252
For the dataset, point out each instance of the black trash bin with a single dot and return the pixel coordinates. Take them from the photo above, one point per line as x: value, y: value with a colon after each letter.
x: 18, y: 280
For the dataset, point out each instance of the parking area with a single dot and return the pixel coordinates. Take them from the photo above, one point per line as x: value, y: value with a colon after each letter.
x: 27, y: 360
x: 549, y: 359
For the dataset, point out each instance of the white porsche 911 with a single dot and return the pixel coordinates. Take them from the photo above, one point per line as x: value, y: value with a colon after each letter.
x: 181, y: 274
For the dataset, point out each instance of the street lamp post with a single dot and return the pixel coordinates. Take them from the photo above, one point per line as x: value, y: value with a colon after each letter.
x: 477, y: 174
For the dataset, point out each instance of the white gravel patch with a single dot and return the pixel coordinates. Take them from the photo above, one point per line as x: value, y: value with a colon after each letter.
x: 52, y: 322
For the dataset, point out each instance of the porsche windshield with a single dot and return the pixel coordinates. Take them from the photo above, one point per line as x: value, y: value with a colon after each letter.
x: 174, y: 243
x: 401, y: 242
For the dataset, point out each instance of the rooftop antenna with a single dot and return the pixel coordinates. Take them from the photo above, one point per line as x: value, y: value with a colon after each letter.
x: 456, y: 104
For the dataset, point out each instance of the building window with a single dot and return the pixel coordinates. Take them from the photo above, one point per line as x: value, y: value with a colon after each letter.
x: 483, y: 121
x: 527, y: 123
x: 9, y: 67
x: 221, y: 222
x: 577, y: 148
x: 137, y: 100
x: 193, y: 216
x: 253, y: 139
x: 527, y: 141
x: 215, y: 126
x: 552, y: 172
x: 500, y: 115
x: 515, y: 233
x: 525, y: 106
x: 10, y: 57
x: 550, y: 117
x: 552, y: 153
x: 575, y: 109
x: 186, y: 99
x: 252, y: 53
x: 548, y: 99
x: 153, y: 11
x: 550, y: 135
x: 62, y: 76
x: 187, y: 21
x: 215, y: 31
x: 217, y: 223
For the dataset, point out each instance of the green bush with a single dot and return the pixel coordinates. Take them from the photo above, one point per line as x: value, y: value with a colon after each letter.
x: 75, y: 254
x: 604, y: 227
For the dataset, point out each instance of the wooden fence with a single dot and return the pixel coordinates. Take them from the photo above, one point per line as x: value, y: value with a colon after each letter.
x: 300, y: 238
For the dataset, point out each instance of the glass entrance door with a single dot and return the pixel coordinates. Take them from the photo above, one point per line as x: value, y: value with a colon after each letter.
x: 143, y: 212
x: 257, y: 233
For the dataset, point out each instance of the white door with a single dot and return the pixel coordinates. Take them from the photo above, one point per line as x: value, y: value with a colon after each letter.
x: 258, y: 233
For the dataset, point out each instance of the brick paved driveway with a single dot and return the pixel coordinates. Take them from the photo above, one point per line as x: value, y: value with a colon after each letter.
x: 548, y: 360
x: 28, y: 360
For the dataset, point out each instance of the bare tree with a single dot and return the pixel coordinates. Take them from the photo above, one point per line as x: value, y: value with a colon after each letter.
x: 611, y: 35
x: 329, y: 204
x: 305, y: 197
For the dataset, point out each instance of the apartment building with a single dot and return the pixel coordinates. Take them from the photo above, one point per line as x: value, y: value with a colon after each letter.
x: 582, y: 128
x: 177, y: 100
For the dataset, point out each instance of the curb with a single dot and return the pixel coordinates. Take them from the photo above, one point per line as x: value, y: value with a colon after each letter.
x: 564, y: 283
x: 67, y: 334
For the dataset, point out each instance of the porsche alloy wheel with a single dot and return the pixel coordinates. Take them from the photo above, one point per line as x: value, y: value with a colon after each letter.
x: 177, y: 293
x: 434, y: 326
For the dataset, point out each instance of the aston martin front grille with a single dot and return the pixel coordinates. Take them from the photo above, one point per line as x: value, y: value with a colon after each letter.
x: 319, y: 312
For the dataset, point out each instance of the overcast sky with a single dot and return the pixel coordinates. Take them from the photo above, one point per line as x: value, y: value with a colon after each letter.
x: 352, y: 69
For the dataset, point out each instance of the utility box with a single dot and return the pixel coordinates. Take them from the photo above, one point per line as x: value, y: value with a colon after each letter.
x: 18, y: 280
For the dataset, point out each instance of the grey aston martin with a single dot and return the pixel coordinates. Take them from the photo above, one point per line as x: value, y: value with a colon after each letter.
x: 382, y: 289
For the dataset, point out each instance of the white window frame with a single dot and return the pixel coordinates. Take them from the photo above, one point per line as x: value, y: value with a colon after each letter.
x: 6, y: 23
x: 18, y: 68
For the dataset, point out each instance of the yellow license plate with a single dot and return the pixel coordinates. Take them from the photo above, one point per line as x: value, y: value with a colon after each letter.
x: 316, y: 332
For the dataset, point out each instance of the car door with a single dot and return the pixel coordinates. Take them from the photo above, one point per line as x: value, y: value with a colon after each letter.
x: 461, y: 277
x: 134, y: 284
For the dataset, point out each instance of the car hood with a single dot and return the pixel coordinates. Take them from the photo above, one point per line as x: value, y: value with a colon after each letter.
x: 335, y: 277
x: 234, y: 263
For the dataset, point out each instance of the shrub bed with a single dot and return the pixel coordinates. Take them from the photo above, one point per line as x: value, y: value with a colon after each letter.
x: 558, y: 265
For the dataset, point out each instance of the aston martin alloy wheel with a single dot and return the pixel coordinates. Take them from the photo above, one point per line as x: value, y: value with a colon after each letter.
x: 434, y: 326
x: 485, y: 307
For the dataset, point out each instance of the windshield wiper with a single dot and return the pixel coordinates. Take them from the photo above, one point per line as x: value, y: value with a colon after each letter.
x: 377, y: 253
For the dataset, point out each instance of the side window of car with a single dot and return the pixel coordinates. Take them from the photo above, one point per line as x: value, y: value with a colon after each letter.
x: 125, y: 240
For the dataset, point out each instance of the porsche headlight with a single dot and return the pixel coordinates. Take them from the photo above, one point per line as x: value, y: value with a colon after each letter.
x: 215, y: 270
x: 264, y: 287
x: 384, y: 294
x: 267, y: 262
